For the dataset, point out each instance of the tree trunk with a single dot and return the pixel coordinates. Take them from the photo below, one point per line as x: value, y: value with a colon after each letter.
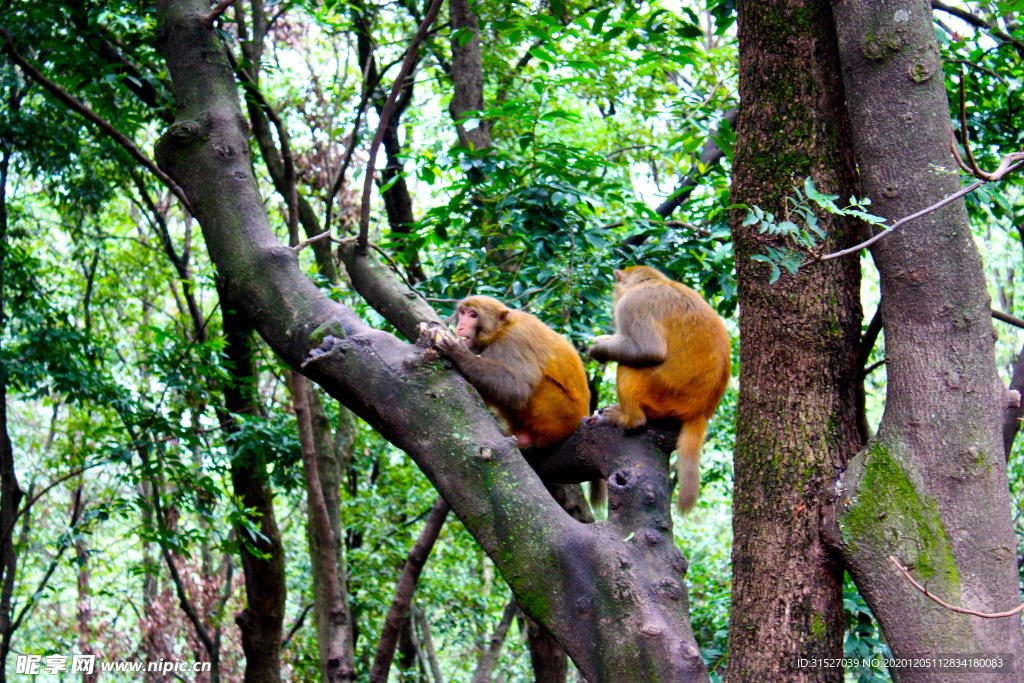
x: 262, y: 620
x: 930, y: 490
x: 10, y: 493
x: 334, y: 633
x: 795, y: 426
x: 85, y: 638
x: 334, y: 626
x: 467, y: 75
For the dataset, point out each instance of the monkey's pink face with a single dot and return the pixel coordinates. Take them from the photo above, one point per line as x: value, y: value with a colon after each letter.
x: 468, y: 325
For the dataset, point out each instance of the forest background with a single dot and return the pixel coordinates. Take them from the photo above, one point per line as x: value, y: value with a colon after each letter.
x: 164, y: 451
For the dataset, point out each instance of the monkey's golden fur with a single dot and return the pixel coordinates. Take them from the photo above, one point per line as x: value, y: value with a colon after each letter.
x: 527, y: 371
x: 673, y: 356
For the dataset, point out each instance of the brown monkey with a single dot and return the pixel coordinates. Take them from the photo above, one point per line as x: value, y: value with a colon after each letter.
x: 526, y: 370
x: 673, y: 356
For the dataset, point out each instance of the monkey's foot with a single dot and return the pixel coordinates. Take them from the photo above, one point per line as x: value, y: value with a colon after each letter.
x: 615, y: 415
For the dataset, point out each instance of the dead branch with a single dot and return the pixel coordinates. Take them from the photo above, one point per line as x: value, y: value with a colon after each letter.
x: 1010, y: 162
x: 954, y: 608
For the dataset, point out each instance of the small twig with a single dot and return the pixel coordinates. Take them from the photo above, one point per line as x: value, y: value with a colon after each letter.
x: 977, y: 67
x: 217, y: 11
x: 385, y: 116
x: 77, y: 105
x: 1007, y: 318
x: 1010, y: 163
x: 315, y: 238
x: 31, y: 501
x: 954, y: 608
x: 991, y: 27
x: 873, y: 366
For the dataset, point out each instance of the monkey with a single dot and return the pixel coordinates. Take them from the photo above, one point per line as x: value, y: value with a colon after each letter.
x: 674, y: 361
x: 529, y: 373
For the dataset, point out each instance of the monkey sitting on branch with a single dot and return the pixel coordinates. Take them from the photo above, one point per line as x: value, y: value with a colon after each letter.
x: 528, y: 372
x: 673, y: 356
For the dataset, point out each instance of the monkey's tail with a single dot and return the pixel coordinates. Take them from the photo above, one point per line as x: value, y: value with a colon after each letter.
x: 688, y: 446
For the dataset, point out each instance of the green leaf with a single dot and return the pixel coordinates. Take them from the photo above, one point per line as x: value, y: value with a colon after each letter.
x: 599, y: 20
x: 541, y: 54
x: 614, y: 33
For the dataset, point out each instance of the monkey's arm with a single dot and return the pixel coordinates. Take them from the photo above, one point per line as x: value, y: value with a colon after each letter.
x: 496, y: 380
x: 636, y: 347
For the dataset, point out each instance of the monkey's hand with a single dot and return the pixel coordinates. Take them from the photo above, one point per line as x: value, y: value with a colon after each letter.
x: 450, y: 345
x: 600, y: 350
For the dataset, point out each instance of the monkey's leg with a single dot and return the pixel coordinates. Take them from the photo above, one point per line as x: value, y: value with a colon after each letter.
x: 626, y: 414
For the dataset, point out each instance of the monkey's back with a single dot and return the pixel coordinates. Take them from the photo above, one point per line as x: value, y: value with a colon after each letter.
x: 692, y: 379
x: 561, y: 398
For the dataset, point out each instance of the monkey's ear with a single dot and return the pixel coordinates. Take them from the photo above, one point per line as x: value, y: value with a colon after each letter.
x: 620, y: 275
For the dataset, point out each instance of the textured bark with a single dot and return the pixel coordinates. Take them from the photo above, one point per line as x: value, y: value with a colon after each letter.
x: 931, y: 488
x: 612, y: 593
x: 795, y: 425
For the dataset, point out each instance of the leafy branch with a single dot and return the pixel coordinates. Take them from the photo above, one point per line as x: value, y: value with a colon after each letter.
x: 805, y: 235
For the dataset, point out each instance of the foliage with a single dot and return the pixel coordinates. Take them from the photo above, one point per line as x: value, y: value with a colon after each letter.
x: 806, y: 236
x: 596, y: 112
x: 864, y: 642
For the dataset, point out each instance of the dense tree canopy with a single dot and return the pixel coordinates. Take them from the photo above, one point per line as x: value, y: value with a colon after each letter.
x: 222, y: 445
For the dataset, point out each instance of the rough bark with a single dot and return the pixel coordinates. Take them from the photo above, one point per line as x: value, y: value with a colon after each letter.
x: 930, y: 489
x: 612, y: 593
x: 795, y: 424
